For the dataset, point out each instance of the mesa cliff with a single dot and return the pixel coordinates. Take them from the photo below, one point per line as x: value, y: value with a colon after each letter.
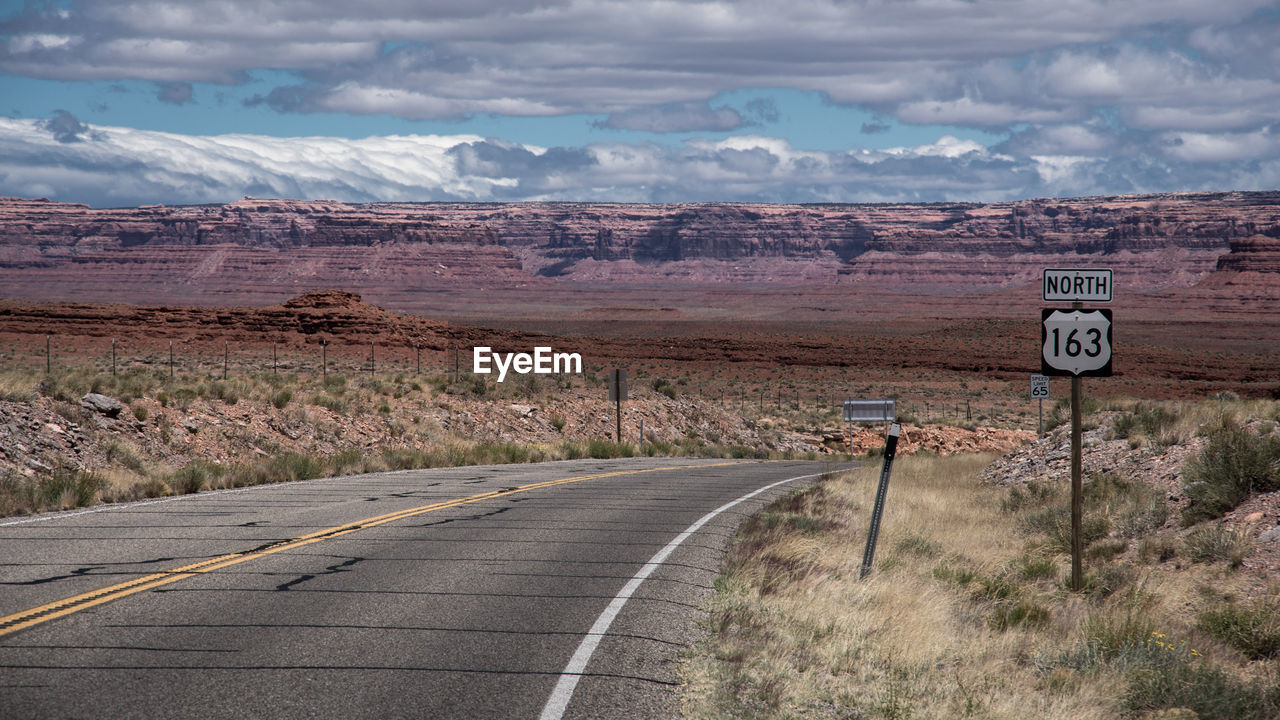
x: 262, y: 251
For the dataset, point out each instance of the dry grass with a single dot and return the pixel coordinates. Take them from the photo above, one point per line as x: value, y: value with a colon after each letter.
x: 316, y: 408
x: 1174, y: 422
x: 964, y: 615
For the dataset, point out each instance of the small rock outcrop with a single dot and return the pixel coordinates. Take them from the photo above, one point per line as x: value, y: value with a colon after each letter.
x: 100, y: 403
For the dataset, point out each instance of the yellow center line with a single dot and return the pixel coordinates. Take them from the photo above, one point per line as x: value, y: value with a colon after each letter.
x: 75, y: 603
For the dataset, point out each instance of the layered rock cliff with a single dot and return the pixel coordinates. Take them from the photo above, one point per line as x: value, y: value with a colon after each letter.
x: 259, y: 251
x: 249, y: 251
x: 1259, y: 254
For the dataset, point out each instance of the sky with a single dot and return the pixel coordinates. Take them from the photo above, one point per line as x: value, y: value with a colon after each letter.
x: 119, y: 103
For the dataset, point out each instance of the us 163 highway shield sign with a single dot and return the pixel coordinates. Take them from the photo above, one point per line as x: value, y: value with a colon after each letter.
x: 1075, y: 342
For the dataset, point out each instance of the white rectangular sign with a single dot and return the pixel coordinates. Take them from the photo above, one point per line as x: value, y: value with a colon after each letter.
x: 617, y: 385
x: 1077, y: 285
x: 1039, y: 386
x: 869, y: 410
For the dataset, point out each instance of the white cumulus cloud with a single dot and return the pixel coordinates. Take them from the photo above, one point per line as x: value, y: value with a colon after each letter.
x: 65, y: 159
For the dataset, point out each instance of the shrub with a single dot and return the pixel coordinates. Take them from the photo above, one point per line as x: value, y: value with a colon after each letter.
x: 17, y: 494
x: 352, y: 460
x: 282, y: 398
x: 601, y: 449
x: 1253, y: 629
x: 959, y: 576
x: 1037, y: 568
x: 1061, y: 412
x: 120, y: 452
x: 223, y: 391
x: 1025, y: 612
x: 65, y: 487
x: 1146, y: 510
x: 14, y: 389
x: 285, y: 468
x: 1233, y: 465
x: 1031, y: 495
x: 193, y: 478
x: 739, y: 452
x: 658, y: 447
x: 1150, y: 421
x: 1106, y: 549
x: 1206, y: 690
x: 152, y: 487
x: 183, y: 397
x: 1108, y: 580
x: 918, y: 545
x: 664, y: 387
x: 1215, y: 542
x: 557, y: 422
x: 1125, y: 629
x: 140, y: 412
x: 329, y: 402
x: 571, y: 450
x: 1055, y: 522
x: 61, y: 487
x: 1157, y: 549
x: 995, y: 588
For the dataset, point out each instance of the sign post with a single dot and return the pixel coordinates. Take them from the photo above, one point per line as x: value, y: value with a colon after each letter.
x: 1076, y: 343
x: 873, y: 532
x: 618, y: 393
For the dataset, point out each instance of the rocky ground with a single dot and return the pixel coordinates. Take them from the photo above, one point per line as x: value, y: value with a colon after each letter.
x: 233, y: 421
x: 1161, y: 463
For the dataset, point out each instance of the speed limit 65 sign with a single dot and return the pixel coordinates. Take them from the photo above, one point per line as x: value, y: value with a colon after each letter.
x: 1075, y: 342
x: 1039, y: 387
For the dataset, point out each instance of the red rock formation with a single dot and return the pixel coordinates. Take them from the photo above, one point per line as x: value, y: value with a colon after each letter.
x: 252, y: 251
x: 262, y: 251
x: 335, y: 316
x: 1260, y: 254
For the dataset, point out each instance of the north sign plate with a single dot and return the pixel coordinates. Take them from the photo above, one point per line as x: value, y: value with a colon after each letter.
x: 1076, y: 285
x: 1075, y: 342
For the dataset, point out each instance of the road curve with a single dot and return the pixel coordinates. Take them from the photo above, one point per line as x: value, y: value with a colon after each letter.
x: 556, y: 590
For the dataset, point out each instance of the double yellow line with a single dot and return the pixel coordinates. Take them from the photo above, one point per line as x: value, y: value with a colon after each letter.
x: 66, y: 606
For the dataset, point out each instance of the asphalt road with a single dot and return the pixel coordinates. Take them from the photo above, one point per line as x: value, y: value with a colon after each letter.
x: 458, y: 593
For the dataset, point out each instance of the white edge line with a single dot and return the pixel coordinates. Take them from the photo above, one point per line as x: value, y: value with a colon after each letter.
x: 563, y: 692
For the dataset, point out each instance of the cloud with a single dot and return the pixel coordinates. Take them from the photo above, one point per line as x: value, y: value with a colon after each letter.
x: 175, y: 93
x: 876, y: 127
x: 122, y: 166
x: 1088, y: 139
x: 535, y: 169
x: 676, y: 117
x: 64, y: 127
x: 1223, y: 147
x: 110, y: 166
x: 763, y: 111
x: 1176, y: 65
